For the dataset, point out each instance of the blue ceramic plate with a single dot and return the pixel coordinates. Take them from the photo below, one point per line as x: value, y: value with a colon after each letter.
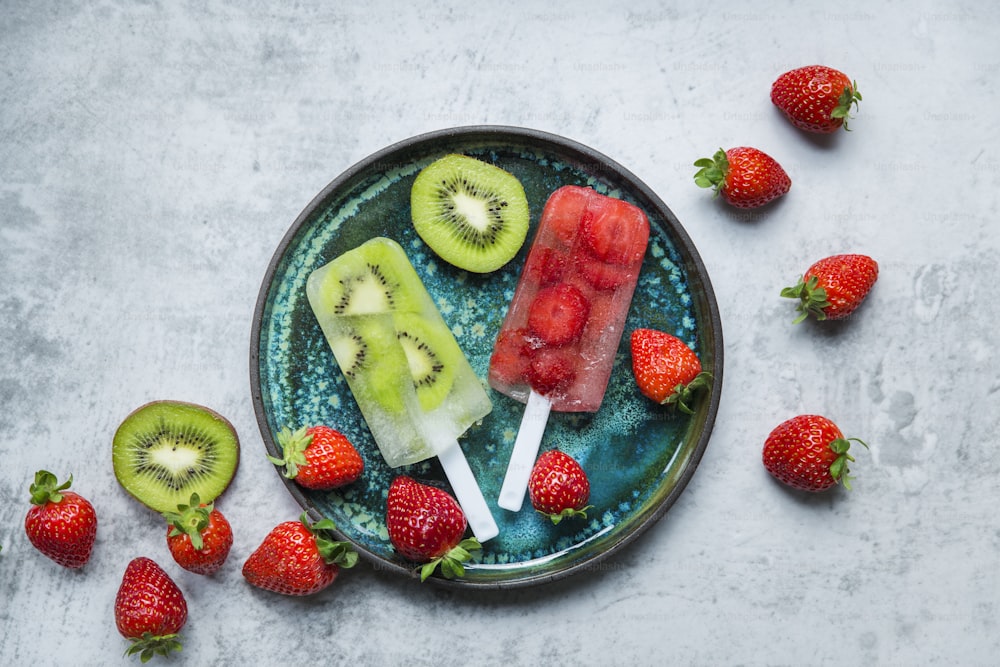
x: 639, y: 456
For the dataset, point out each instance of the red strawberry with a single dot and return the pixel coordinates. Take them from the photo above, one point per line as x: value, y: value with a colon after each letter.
x: 550, y: 370
x: 511, y: 354
x: 666, y: 369
x: 833, y: 287
x: 199, y: 536
x: 744, y: 177
x: 61, y: 524
x: 545, y: 266
x: 149, y: 610
x: 558, y: 487
x: 564, y: 209
x: 601, y: 275
x: 614, y: 231
x: 318, y: 457
x: 815, y: 98
x: 808, y: 452
x: 426, y: 525
x: 296, y: 559
x: 558, y: 314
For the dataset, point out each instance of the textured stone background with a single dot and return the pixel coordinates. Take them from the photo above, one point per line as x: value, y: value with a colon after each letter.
x: 153, y: 154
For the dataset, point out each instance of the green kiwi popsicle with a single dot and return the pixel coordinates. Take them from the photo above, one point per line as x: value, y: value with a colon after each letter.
x: 411, y: 380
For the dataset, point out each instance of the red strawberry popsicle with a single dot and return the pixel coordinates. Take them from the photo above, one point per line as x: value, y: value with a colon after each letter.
x: 557, y: 344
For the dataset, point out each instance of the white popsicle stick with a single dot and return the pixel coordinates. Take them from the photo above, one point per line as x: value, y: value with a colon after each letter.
x: 467, y: 493
x: 522, y: 458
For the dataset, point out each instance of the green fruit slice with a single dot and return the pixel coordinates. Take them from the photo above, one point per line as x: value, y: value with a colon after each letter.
x: 366, y: 351
x: 166, y: 450
x: 472, y: 214
x: 432, y: 357
x: 364, y: 282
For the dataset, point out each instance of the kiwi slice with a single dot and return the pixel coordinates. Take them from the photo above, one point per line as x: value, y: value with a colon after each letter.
x: 366, y: 351
x: 472, y: 214
x: 166, y: 450
x: 431, y: 357
x: 364, y: 281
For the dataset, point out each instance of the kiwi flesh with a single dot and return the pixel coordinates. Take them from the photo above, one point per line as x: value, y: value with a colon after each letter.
x: 430, y: 357
x: 368, y: 357
x: 166, y: 450
x: 474, y: 215
x: 363, y: 283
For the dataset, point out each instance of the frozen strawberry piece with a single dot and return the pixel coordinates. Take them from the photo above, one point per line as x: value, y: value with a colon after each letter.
x: 558, y: 314
x: 550, y: 370
x: 546, y: 266
x: 602, y: 275
x: 563, y: 212
x: 615, y: 232
x: 511, y: 355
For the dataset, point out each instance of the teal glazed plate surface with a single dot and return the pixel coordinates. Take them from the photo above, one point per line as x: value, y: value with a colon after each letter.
x: 639, y: 456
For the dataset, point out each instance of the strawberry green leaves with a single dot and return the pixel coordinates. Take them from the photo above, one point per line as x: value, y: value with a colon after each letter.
x: 712, y: 171
x: 850, y: 97
x: 451, y: 562
x: 812, y: 299
x: 839, y: 468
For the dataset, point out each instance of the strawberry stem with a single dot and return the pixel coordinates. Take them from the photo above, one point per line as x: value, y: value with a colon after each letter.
x: 850, y: 97
x: 149, y: 645
x: 293, y: 447
x: 190, y: 520
x: 712, y: 171
x: 683, y: 394
x: 46, y: 488
x: 334, y: 552
x: 838, y: 469
x: 451, y: 562
x: 812, y: 298
x: 567, y: 513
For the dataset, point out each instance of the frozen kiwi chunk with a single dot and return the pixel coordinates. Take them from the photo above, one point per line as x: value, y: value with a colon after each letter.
x: 431, y: 358
x: 366, y: 351
x: 364, y: 284
x: 474, y: 215
x: 166, y: 450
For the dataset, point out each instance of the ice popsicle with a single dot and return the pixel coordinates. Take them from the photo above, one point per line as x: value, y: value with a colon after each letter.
x: 556, y: 347
x: 411, y: 380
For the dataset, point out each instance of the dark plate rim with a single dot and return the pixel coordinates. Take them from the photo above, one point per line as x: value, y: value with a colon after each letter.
x: 484, y: 134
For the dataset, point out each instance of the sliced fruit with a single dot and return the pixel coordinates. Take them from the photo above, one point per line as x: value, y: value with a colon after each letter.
x: 366, y: 351
x: 550, y: 370
x: 511, y: 354
x: 472, y: 214
x: 431, y: 358
x: 366, y: 282
x: 166, y: 450
x: 558, y: 314
x: 564, y: 210
x: 602, y: 275
x: 615, y: 232
x: 545, y: 266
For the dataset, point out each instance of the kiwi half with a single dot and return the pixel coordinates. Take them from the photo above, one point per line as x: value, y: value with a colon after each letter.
x: 166, y: 450
x: 472, y: 214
